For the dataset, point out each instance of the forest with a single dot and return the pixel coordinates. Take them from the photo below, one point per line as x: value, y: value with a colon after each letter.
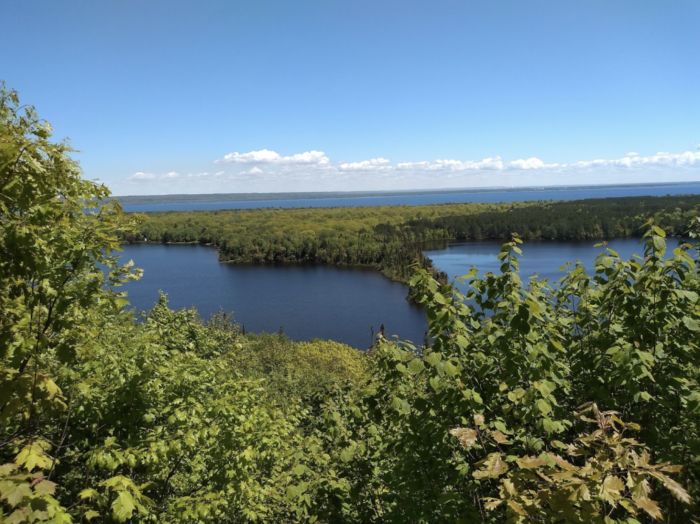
x: 391, y: 239
x: 530, y: 402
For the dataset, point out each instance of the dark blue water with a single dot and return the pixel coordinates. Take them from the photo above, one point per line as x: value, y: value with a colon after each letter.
x: 306, y: 302
x: 295, y: 200
x: 309, y: 302
x: 545, y: 259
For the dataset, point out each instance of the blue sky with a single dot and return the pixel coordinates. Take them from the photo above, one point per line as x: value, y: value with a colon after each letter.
x: 222, y: 96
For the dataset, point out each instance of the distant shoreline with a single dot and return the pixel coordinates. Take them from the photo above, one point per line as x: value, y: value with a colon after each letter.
x: 253, y: 196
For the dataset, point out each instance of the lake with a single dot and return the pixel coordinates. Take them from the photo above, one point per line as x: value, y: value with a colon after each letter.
x: 309, y: 302
x: 306, y: 302
x: 209, y: 202
x: 542, y: 258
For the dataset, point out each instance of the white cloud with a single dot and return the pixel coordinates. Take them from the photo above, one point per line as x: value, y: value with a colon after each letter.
x: 376, y: 164
x: 143, y: 176
x: 532, y: 163
x: 267, y: 156
x: 308, y: 157
x: 262, y: 156
x: 267, y: 170
x: 140, y: 175
x: 661, y: 159
x: 453, y: 165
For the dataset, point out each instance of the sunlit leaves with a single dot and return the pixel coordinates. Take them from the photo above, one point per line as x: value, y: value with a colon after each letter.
x: 493, y: 466
x: 57, y: 234
x: 467, y: 437
x: 34, y: 455
x: 527, y: 356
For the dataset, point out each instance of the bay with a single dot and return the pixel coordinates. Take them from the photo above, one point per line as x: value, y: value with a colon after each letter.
x: 304, y: 302
x: 307, y: 302
x: 544, y: 259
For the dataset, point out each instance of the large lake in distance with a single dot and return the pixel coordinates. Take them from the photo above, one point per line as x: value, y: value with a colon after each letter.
x: 144, y: 204
x: 309, y: 302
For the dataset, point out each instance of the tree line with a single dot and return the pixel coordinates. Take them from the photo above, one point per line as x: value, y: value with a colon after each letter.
x: 391, y: 239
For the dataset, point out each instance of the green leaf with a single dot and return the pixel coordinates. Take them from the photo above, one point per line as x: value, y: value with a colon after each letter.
x: 51, y: 388
x: 436, y: 383
x: 347, y: 454
x: 415, y: 366
x: 401, y: 405
x: 691, y: 324
x: 45, y: 487
x: 87, y: 493
x: 123, y: 506
x: 34, y: 455
x: 433, y: 358
x: 544, y: 407
x: 14, y: 493
x: 500, y: 426
x: 450, y: 369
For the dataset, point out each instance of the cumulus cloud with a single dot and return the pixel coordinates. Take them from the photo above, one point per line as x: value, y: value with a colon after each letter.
x: 532, y: 163
x: 376, y: 164
x: 313, y: 170
x: 140, y: 175
x: 267, y: 156
x: 262, y: 156
x: 143, y: 176
x: 630, y: 160
x: 489, y: 163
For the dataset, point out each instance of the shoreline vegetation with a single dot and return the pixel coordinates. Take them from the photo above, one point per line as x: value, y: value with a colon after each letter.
x: 391, y: 239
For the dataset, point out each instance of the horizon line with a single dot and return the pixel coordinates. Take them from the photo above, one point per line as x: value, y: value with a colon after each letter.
x: 421, y: 190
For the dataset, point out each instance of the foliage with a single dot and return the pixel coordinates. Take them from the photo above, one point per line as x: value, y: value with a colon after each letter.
x: 530, y: 402
x: 485, y: 423
x: 602, y: 473
x: 391, y: 238
x: 55, y: 237
x: 300, y: 369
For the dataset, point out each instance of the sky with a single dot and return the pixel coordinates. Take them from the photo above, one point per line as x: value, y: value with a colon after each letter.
x: 210, y: 96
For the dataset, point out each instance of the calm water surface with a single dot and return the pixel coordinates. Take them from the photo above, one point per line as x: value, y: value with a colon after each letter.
x: 411, y: 198
x: 305, y: 301
x: 542, y: 258
x: 309, y: 302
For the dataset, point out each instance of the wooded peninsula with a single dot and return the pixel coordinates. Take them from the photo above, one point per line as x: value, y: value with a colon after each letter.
x: 391, y: 239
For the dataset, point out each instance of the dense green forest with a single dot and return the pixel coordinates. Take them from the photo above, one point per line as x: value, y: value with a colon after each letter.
x: 391, y: 239
x: 531, y: 403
